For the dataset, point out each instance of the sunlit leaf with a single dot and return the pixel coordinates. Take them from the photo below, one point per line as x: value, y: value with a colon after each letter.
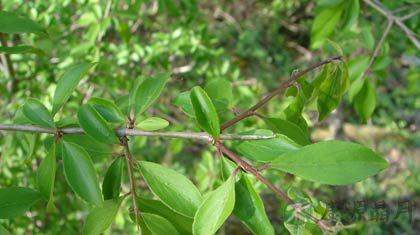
x: 158, y: 225
x: 153, y: 123
x: 101, y: 217
x: 205, y: 111
x: 12, y: 23
x: 148, y: 91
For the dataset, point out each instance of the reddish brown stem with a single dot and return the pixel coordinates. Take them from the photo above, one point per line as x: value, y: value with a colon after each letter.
x: 275, y: 92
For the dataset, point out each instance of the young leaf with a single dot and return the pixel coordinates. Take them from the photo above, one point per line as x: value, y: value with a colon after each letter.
x: 205, y: 112
x: 215, y: 209
x: 15, y: 201
x: 108, y: 110
x: 183, y: 102
x: 37, y: 114
x: 267, y: 150
x: 153, y: 123
x: 95, y: 125
x: 175, y: 190
x: 182, y: 223
x: 101, y: 217
x: 12, y: 23
x: 158, y: 225
x: 324, y: 24
x: 112, y: 181
x: 220, y: 92
x: 365, y: 101
x: 68, y: 83
x: 80, y: 173
x: 46, y: 177
x: 331, y: 162
x: 288, y: 129
x: 148, y: 91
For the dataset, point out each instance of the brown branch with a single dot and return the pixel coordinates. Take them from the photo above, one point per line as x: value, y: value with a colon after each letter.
x: 9, y: 65
x: 275, y: 92
x: 255, y: 171
x: 129, y: 161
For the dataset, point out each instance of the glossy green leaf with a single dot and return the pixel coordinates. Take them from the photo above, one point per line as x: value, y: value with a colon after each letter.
x: 215, y: 209
x: 205, y: 112
x: 21, y: 49
x: 95, y: 125
x: 108, y: 110
x: 351, y: 14
x: 15, y: 201
x: 331, y: 162
x: 267, y: 150
x: 101, y: 217
x: 12, y: 23
x: 174, y: 189
x: 67, y: 83
x: 183, y: 102
x: 220, y: 92
x: 112, y: 181
x: 37, y: 114
x: 148, y: 91
x: 182, y: 223
x: 158, y: 225
x: 80, y: 173
x: 365, y: 101
x: 46, y: 177
x: 153, y: 123
x: 289, y: 129
x: 324, y: 24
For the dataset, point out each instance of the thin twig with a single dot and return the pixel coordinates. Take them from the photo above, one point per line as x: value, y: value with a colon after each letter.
x: 409, y: 15
x: 410, y: 34
x: 136, y: 132
x: 277, y: 91
x: 254, y: 171
x: 9, y: 65
x: 128, y: 159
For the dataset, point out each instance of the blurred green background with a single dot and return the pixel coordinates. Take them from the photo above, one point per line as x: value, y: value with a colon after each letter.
x: 255, y: 44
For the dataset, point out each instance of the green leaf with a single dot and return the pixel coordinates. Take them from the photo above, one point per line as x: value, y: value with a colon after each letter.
x: 249, y: 208
x: 4, y: 231
x: 101, y: 217
x: 293, y: 112
x: 297, y: 229
x: 46, y: 177
x: 108, y: 110
x: 331, y: 90
x: 95, y: 125
x: 183, y: 102
x: 351, y: 14
x: 267, y: 150
x: 158, y: 225
x: 324, y: 24
x: 288, y: 129
x: 357, y: 66
x: 220, y: 92
x: 112, y: 181
x: 331, y: 162
x: 15, y: 201
x: 123, y: 102
x: 215, y: 209
x: 175, y: 190
x: 68, y: 83
x: 182, y: 223
x: 21, y: 49
x: 153, y: 123
x: 14, y: 24
x: 205, y: 112
x: 37, y: 114
x: 365, y: 101
x: 148, y: 91
x: 80, y: 173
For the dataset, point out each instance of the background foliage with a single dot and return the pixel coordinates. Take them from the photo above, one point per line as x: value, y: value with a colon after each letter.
x: 252, y: 44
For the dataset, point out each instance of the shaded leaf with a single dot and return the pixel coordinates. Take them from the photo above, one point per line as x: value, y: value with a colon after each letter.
x: 148, y: 91
x: 215, y: 209
x: 220, y: 92
x: 153, y: 123
x: 365, y: 101
x: 293, y: 112
x: 80, y: 173
x: 12, y: 23
x: 108, y: 110
x: 14, y: 201
x: 351, y: 14
x: 4, y: 231
x: 21, y: 49
x: 112, y: 181
x: 37, y: 114
x: 46, y: 177
x: 183, y: 102
x: 95, y: 125
x: 288, y: 129
x: 101, y: 217
x: 340, y: 162
x: 205, y: 112
x: 158, y: 225
x: 174, y: 189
